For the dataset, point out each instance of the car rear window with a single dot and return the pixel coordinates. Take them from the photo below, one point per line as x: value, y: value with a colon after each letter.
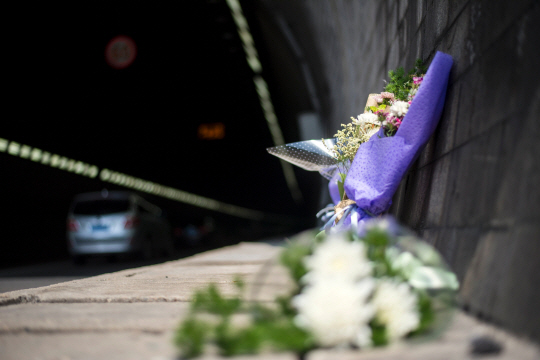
x: 100, y: 207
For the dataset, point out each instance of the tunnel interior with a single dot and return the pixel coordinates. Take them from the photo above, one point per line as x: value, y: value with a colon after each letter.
x: 184, y: 113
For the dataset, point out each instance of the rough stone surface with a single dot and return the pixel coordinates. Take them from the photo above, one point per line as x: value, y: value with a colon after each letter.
x: 169, y: 282
x: 473, y: 192
x: 72, y: 321
x: 153, y: 317
x: 91, y: 345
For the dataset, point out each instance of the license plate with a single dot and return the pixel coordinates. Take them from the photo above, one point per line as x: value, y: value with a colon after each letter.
x: 99, y: 227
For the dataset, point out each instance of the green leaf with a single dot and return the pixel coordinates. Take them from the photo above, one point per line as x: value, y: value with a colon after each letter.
x: 377, y: 237
x: 285, y: 335
x: 292, y: 258
x: 285, y: 306
x: 341, y: 184
x: 427, y: 314
x: 400, y: 82
x: 210, y: 300
x: 243, y: 341
x: 320, y: 236
x: 191, y: 336
x: 341, y: 189
x: 378, y: 334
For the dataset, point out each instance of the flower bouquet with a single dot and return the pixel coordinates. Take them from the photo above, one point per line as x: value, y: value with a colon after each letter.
x: 371, y: 289
x: 351, y: 290
x: 366, y: 160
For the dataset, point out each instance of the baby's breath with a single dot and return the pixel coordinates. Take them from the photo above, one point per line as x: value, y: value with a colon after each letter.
x: 348, y: 140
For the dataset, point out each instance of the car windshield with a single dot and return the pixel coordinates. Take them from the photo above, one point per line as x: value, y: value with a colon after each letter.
x: 100, y: 207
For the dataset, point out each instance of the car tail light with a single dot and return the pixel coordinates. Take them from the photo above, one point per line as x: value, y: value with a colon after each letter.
x: 72, y: 225
x: 131, y: 222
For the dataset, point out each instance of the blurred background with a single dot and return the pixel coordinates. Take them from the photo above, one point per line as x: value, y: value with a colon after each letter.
x: 159, y: 91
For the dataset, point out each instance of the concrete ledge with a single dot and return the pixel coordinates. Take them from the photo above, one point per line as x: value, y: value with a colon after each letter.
x: 132, y: 314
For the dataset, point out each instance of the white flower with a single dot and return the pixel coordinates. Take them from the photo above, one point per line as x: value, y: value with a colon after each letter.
x: 399, y: 108
x: 336, y: 312
x: 397, y: 308
x: 337, y: 259
x: 334, y: 305
x: 366, y: 118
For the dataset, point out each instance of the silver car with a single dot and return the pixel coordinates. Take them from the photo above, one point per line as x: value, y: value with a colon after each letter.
x: 116, y: 222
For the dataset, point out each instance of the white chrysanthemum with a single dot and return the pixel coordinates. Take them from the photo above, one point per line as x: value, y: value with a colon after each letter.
x: 336, y: 312
x: 397, y: 308
x: 366, y: 118
x: 399, y: 108
x: 337, y: 259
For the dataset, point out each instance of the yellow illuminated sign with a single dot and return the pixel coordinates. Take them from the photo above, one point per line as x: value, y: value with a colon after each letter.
x: 212, y: 131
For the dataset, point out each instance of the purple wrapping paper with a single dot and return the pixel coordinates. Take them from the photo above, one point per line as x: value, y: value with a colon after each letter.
x: 333, y: 188
x: 381, y: 163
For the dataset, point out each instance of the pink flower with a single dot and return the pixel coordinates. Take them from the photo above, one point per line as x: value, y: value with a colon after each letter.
x: 393, y: 120
x: 387, y: 95
x: 378, y: 98
x: 417, y: 80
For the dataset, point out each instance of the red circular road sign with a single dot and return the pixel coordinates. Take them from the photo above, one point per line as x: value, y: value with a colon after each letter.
x: 120, y: 52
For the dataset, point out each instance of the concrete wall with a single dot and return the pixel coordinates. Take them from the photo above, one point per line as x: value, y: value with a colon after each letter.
x: 474, y: 193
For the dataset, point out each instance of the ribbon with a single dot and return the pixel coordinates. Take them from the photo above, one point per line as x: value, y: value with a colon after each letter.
x: 351, y: 210
x: 326, y: 213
